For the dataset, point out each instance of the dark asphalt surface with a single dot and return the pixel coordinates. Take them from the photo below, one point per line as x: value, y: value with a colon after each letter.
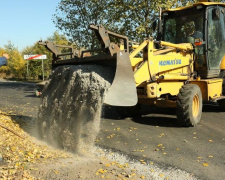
x: 155, y: 137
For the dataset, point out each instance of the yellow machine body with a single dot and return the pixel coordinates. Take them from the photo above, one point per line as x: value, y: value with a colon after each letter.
x: 188, y: 67
x: 159, y: 73
x: 182, y: 71
x: 222, y: 65
x: 210, y: 88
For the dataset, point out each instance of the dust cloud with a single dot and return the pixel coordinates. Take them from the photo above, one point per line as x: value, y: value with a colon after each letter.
x: 71, y: 105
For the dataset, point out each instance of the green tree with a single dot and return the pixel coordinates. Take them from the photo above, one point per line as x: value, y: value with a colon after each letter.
x: 74, y: 16
x: 59, y: 39
x: 132, y: 18
x: 35, y: 66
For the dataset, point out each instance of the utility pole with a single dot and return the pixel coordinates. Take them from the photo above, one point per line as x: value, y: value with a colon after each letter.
x: 43, y: 73
x: 27, y: 69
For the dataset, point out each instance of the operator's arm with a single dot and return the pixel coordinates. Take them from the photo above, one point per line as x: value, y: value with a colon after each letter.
x: 3, y: 61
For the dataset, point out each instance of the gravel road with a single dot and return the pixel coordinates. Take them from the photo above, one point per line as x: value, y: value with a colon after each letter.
x: 155, y: 138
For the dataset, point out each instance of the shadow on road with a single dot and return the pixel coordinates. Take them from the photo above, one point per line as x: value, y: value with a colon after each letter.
x: 157, y: 121
x: 32, y: 95
x: 114, y: 112
x: 211, y: 108
x: 28, y: 124
x: 164, y: 117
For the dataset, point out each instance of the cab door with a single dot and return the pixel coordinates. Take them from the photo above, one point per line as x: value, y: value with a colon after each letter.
x: 216, y: 37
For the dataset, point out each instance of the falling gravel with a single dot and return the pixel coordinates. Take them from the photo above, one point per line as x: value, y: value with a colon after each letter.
x: 71, y: 105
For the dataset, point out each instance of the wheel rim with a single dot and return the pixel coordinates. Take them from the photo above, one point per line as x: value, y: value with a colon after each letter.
x: 195, y: 105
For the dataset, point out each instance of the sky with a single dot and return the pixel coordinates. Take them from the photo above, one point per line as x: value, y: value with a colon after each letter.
x: 23, y: 22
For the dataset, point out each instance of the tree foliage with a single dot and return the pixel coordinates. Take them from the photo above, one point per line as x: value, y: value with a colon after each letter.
x: 16, y: 63
x: 74, y: 16
x: 17, y: 66
x: 132, y: 18
x: 35, y: 66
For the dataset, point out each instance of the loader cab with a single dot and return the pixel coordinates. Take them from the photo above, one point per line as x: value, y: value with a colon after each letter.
x: 203, y: 25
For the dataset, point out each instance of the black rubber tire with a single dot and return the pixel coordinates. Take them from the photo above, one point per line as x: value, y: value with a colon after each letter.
x: 185, y: 102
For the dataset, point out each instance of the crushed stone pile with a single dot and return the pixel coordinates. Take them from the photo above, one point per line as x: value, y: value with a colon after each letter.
x: 70, y: 111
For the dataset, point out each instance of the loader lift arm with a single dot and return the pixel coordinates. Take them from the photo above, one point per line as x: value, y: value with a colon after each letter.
x: 103, y: 36
x: 123, y: 89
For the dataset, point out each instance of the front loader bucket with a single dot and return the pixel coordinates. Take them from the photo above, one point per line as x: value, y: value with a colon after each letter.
x: 123, y: 90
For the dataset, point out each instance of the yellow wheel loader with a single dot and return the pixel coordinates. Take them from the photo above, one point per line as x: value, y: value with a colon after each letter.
x: 182, y: 68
